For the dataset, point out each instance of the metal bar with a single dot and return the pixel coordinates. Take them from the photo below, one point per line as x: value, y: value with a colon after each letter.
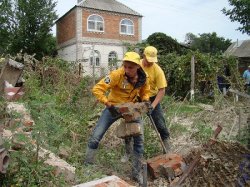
x: 145, y: 174
x: 153, y: 124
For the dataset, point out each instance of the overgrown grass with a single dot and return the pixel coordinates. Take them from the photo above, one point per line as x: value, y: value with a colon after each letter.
x: 26, y: 170
x: 152, y: 144
x: 175, y: 107
x: 61, y: 106
x: 203, y: 132
x: 177, y: 129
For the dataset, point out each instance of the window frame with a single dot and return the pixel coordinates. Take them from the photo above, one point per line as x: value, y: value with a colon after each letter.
x: 95, y: 23
x: 110, y: 58
x: 127, y: 27
x: 97, y: 55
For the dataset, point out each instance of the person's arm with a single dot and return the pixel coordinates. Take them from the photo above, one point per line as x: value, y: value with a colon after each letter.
x: 99, y: 91
x: 159, y: 96
x: 101, y: 88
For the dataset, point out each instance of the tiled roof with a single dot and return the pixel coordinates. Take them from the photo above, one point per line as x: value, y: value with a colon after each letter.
x: 239, y: 49
x: 108, y: 5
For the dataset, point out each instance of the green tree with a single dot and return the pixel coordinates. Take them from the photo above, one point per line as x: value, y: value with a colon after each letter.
x: 240, y: 13
x: 5, y: 28
x: 25, y: 25
x: 165, y: 44
x: 208, y: 43
x: 189, y: 39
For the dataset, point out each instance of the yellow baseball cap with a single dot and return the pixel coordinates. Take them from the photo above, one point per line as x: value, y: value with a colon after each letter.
x: 132, y: 57
x: 151, y: 54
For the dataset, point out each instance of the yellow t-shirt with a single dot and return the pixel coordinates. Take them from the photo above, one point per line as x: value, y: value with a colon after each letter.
x: 157, y: 78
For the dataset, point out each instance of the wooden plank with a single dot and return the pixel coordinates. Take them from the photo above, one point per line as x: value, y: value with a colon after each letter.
x: 11, y: 72
x: 239, y: 93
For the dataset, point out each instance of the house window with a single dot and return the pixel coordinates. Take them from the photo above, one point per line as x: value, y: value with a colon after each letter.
x: 127, y: 27
x: 95, y: 23
x: 112, y: 57
x: 95, y: 58
x: 112, y: 60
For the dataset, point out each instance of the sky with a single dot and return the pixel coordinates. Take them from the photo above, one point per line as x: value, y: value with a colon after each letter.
x: 176, y: 18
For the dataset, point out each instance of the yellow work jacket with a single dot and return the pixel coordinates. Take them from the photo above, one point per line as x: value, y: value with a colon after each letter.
x: 120, y: 89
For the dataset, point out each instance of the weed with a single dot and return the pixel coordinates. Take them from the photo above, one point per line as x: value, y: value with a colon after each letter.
x: 177, y: 128
x: 151, y: 141
x: 244, y: 136
x: 203, y: 132
x: 26, y: 170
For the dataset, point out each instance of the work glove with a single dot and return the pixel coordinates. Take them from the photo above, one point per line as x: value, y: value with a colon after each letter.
x: 149, y: 107
x: 114, y: 111
x: 150, y: 110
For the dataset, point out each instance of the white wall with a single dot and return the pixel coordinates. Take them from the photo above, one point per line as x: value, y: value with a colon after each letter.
x: 104, y: 51
x: 68, y: 53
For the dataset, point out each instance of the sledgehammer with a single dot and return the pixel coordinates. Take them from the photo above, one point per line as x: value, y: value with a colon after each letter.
x: 158, y: 134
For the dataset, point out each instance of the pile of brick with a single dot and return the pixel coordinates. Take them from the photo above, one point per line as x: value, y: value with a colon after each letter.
x: 218, y: 166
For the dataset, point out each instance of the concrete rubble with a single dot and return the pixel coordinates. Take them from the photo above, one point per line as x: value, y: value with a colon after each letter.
x: 61, y: 166
x: 110, y: 181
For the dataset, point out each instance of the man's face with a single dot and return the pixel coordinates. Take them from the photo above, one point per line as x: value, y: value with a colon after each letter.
x: 130, y: 68
x: 146, y: 62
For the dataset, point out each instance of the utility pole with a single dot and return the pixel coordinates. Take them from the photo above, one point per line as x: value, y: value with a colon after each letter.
x: 192, y: 79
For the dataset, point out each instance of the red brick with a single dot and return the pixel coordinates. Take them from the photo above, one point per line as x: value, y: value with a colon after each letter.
x: 168, y: 160
x: 123, y: 109
x: 66, y: 27
x: 111, y: 25
x: 14, y: 93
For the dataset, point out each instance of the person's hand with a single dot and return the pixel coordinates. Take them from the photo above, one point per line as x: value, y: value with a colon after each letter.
x: 149, y: 107
x: 108, y: 104
x: 150, y: 110
x: 114, y: 111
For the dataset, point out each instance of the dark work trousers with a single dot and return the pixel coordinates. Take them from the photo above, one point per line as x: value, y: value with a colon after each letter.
x: 158, y: 118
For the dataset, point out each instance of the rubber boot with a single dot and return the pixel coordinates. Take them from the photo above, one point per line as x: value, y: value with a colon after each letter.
x: 137, y: 168
x: 167, y: 146
x: 90, y: 156
x: 128, y: 150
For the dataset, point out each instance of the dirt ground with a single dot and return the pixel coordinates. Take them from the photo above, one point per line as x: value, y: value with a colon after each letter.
x: 218, y: 165
x: 226, y: 163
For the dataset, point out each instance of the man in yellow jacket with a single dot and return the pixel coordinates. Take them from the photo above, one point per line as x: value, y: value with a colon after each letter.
x: 124, y: 85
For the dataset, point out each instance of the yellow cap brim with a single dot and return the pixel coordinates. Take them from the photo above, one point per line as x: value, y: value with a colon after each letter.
x: 129, y: 60
x: 151, y: 59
